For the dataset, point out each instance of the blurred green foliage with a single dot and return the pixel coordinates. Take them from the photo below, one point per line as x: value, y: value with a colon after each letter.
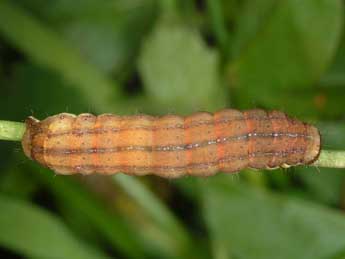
x: 172, y: 56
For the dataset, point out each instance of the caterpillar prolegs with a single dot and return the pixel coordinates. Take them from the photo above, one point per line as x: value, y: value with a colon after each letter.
x: 170, y: 146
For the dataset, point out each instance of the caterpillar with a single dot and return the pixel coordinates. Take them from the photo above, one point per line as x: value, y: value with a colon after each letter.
x: 170, y: 146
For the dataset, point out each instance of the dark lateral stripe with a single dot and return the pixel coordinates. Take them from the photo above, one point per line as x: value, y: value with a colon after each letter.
x: 167, y: 148
x: 201, y: 165
x: 81, y: 132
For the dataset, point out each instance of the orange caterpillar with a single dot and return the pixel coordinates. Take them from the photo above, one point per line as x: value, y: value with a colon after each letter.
x: 170, y: 146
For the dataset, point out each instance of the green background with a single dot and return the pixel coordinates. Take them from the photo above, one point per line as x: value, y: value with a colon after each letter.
x: 172, y: 56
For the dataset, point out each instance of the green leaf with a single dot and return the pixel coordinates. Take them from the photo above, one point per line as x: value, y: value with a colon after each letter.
x: 217, y: 19
x: 179, y: 238
x: 281, y: 49
x: 249, y: 223
x: 179, y: 70
x: 45, y: 47
x: 113, y: 228
x: 34, y: 232
x: 335, y: 76
x: 15, y: 183
x: 100, y: 29
x: 39, y: 100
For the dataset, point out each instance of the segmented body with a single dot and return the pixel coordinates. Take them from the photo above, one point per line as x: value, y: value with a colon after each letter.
x: 170, y: 146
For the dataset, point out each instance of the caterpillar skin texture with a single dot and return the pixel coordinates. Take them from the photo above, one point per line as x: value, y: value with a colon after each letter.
x: 170, y: 146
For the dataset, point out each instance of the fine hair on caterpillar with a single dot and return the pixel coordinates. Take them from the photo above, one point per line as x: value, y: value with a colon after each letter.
x: 170, y: 146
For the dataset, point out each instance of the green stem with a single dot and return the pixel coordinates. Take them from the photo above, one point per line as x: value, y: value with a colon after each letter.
x: 10, y: 130
x: 331, y: 158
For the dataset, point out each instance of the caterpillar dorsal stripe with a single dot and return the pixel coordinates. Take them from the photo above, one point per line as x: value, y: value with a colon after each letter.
x: 170, y: 146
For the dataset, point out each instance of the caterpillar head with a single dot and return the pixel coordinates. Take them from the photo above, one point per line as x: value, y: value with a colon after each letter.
x: 32, y: 126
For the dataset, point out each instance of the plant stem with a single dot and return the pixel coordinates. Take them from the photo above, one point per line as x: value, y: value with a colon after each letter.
x: 331, y: 158
x: 10, y: 130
